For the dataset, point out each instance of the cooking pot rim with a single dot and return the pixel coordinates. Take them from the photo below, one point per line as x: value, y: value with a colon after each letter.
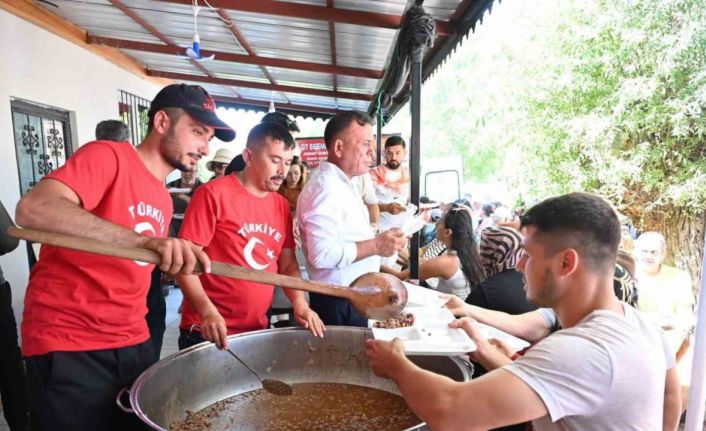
x: 145, y: 376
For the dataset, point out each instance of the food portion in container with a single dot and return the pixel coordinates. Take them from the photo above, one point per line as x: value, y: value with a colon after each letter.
x: 428, y: 334
x: 312, y: 407
x: 402, y: 320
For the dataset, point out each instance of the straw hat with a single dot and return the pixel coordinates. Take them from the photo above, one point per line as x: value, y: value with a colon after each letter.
x: 222, y: 156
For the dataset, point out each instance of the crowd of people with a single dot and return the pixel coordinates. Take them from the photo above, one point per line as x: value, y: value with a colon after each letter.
x: 609, y: 325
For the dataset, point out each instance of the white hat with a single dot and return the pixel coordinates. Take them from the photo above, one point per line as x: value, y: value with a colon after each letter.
x: 222, y: 156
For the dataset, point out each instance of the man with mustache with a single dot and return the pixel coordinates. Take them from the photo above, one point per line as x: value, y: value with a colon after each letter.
x: 241, y: 219
x: 84, y: 334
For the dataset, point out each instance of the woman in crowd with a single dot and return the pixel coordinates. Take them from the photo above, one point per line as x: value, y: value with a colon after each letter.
x: 504, y: 287
x: 458, y: 268
x: 293, y: 184
x: 486, y: 218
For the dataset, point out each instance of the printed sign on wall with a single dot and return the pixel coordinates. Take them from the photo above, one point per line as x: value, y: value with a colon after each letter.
x: 313, y: 151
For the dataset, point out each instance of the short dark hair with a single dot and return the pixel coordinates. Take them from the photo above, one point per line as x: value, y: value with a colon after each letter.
x: 395, y: 140
x: 112, y: 130
x: 581, y: 221
x: 262, y: 131
x: 281, y: 119
x: 236, y: 165
x: 174, y: 115
x: 341, y: 122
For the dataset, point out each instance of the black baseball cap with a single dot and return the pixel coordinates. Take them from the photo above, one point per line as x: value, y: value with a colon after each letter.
x: 281, y: 119
x: 236, y: 165
x: 196, y: 102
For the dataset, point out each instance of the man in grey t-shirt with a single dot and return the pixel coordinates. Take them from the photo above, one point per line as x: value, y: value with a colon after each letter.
x: 608, y: 369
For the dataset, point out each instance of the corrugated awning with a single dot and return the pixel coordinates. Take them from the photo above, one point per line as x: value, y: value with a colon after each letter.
x: 309, y: 57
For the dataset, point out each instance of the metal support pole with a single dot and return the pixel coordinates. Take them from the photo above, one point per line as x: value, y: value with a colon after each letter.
x: 697, y: 388
x: 415, y: 77
x: 379, y: 137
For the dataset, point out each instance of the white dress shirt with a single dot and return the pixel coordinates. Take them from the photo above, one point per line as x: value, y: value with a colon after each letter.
x: 332, y: 218
x: 364, y: 185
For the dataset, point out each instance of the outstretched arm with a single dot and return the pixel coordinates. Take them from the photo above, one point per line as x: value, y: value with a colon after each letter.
x: 53, y: 206
x: 302, y: 312
x: 496, y: 399
x: 529, y: 326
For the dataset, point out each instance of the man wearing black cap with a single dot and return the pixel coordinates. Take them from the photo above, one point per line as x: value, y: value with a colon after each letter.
x: 84, y: 332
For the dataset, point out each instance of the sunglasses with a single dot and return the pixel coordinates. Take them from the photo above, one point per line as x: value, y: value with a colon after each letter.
x: 219, y: 166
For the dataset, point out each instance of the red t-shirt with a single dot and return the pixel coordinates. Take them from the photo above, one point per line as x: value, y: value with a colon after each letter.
x: 238, y: 228
x: 78, y: 301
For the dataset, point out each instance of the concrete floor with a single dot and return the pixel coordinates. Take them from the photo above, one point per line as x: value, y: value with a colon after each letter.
x: 171, y: 334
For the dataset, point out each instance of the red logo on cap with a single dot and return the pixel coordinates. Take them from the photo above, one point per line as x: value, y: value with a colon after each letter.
x: 209, y: 104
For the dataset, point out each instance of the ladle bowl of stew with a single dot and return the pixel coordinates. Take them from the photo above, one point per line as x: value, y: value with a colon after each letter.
x: 202, y: 388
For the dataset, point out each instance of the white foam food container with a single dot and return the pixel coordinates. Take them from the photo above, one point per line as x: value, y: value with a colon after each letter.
x: 418, y: 296
x: 430, y: 334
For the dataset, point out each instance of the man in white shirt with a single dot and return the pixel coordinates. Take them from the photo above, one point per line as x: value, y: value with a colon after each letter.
x: 337, y: 239
x: 610, y: 368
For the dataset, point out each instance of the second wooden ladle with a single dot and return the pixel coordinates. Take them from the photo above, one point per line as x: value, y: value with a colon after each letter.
x: 374, y: 295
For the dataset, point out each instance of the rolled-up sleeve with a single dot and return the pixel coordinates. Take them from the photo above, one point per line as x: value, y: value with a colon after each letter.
x: 320, y: 220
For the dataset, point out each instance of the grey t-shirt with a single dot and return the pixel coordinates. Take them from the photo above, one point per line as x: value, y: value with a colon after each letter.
x: 606, y: 373
x: 549, y: 317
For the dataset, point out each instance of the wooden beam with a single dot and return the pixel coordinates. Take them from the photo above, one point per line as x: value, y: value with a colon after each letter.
x: 242, y: 40
x: 280, y: 106
x: 321, y: 13
x: 57, y: 25
x: 332, y: 43
x: 239, y: 58
x: 260, y: 85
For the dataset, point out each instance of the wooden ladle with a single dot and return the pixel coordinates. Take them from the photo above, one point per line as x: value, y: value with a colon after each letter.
x: 374, y: 295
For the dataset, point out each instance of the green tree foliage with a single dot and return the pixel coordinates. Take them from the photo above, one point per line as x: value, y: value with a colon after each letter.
x: 554, y: 96
x: 607, y: 96
x: 626, y: 113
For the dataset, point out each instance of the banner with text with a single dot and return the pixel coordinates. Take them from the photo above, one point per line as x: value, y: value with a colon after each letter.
x: 313, y: 150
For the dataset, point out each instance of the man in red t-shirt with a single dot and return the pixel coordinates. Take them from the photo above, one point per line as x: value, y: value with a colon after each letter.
x: 84, y: 331
x: 240, y: 219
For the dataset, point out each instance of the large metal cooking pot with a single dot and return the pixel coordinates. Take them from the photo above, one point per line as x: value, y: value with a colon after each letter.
x: 202, y: 375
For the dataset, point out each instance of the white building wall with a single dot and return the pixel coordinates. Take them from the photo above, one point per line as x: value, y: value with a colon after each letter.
x: 38, y: 66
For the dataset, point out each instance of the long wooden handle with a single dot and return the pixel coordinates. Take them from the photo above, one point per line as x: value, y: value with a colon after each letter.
x: 144, y: 255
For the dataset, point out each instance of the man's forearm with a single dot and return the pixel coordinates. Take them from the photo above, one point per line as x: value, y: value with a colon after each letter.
x: 365, y: 249
x: 522, y: 326
x: 429, y: 395
x: 195, y: 294
x: 296, y: 297
x: 64, y: 216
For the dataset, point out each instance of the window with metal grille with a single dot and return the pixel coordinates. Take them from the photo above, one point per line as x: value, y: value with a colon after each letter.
x: 133, y: 112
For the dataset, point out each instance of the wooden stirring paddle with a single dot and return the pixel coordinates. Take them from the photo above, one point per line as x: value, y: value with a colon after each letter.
x: 374, y: 295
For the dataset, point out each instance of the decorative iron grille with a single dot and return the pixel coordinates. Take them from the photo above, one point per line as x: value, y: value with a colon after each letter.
x: 133, y: 112
x: 42, y: 141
